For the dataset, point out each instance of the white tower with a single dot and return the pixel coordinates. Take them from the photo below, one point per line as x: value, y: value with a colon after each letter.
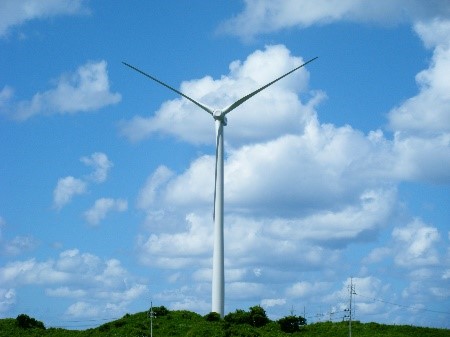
x: 218, y: 277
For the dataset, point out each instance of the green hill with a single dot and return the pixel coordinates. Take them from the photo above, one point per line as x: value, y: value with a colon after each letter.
x: 189, y: 324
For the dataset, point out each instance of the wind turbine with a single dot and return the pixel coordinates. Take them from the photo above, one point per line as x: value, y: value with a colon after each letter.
x: 218, y: 279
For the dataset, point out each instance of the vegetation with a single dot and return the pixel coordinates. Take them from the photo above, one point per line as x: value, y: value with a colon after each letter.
x: 241, y: 323
x: 291, y: 324
x: 26, y: 322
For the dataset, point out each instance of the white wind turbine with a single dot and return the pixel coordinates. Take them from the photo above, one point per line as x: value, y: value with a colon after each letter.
x: 218, y: 279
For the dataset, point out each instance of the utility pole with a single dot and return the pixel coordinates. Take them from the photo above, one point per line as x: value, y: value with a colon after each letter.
x: 150, y: 313
x: 352, y: 292
x: 292, y: 311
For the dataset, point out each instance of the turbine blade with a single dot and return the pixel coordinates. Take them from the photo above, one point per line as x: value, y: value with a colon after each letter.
x: 243, y: 99
x: 208, y: 110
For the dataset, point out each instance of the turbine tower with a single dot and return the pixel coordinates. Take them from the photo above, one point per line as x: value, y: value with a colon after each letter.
x: 218, y: 278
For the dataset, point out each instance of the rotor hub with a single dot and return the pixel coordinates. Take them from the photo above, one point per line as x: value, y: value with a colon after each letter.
x: 218, y: 115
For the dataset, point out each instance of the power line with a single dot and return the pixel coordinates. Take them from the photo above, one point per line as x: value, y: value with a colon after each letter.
x: 402, y: 305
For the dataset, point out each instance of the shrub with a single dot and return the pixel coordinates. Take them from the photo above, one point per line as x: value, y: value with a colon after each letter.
x: 212, y: 317
x: 25, y: 322
x: 258, y: 316
x: 160, y: 311
x: 242, y: 330
x: 238, y: 317
x: 291, y: 323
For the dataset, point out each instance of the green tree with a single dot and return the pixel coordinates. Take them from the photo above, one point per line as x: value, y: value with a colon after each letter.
x: 212, y: 317
x: 242, y: 330
x: 258, y: 316
x: 238, y: 317
x: 291, y: 323
x: 26, y: 322
x: 160, y: 311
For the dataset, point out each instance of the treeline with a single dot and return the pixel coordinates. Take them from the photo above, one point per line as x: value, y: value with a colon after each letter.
x: 240, y: 323
x: 257, y: 318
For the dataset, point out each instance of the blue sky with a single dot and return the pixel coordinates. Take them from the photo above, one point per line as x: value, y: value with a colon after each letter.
x: 338, y: 171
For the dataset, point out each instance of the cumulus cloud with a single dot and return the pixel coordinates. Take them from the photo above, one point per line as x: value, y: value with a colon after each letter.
x: 66, y: 189
x: 378, y: 254
x: 101, y: 165
x: 85, y: 90
x: 180, y: 249
x: 6, y: 94
x: 17, y: 12
x: 94, y: 282
x: 415, y: 244
x: 326, y: 165
x: 264, y: 16
x: 7, y: 299
x: 66, y: 292
x: 275, y: 110
x: 295, y: 197
x: 147, y: 195
x: 102, y: 207
x: 83, y: 309
x: 271, y: 302
x: 428, y: 111
x: 310, y: 188
x: 366, y: 291
x: 18, y: 245
x: 303, y: 288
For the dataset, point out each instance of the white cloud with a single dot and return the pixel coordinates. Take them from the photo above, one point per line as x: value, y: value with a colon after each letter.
x: 102, y: 207
x: 247, y: 290
x: 378, y: 254
x: 264, y: 16
x: 101, y: 165
x: 271, y: 302
x: 85, y: 90
x: 368, y: 290
x: 71, y: 268
x: 31, y: 272
x: 271, y: 112
x: 422, y: 158
x: 17, y: 12
x: 306, y: 289
x: 66, y: 292
x: 18, y: 245
x: 66, y: 189
x: 311, y: 189
x: 99, y: 286
x: 434, y: 33
x: 323, y: 168
x: 428, y: 111
x: 147, y: 195
x: 124, y: 296
x: 6, y: 95
x: 179, y: 249
x: 422, y: 123
x: 7, y: 299
x: 83, y: 309
x: 415, y: 245
x: 191, y: 303
x: 446, y: 274
x: 70, y: 260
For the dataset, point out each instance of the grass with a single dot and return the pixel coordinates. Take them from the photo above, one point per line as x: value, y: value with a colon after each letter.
x: 190, y: 324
